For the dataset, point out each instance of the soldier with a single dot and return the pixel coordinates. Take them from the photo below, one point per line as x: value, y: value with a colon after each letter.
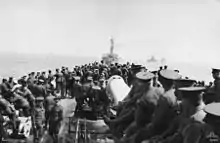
x: 204, y: 132
x: 26, y: 93
x: 216, y: 76
x: 41, y: 92
x: 58, y: 76
x: 166, y: 106
x: 143, y: 95
x: 192, y: 110
x: 55, y: 119
x: 6, y: 110
x: 133, y: 71
x: 102, y: 83
x: 74, y: 86
x: 38, y: 119
x: 50, y: 75
x: 4, y: 88
x: 48, y: 105
x: 43, y: 76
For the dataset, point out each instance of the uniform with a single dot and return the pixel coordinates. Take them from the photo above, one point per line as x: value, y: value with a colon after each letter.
x: 58, y: 76
x: 42, y: 92
x: 75, y: 87
x: 216, y: 77
x: 5, y: 110
x: 38, y: 119
x: 56, y: 116
x: 165, y: 110
x: 21, y: 103
x: 207, y: 131
x: 26, y: 93
x: 144, y: 101
x: 191, y: 113
x: 49, y: 103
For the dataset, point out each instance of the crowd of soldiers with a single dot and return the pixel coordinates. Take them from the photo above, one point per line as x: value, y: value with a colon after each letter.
x: 164, y: 107
x: 36, y: 95
x: 161, y: 107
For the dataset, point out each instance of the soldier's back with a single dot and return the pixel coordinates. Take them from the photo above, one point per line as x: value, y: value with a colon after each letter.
x: 199, y: 132
x: 49, y: 102
x: 151, y: 96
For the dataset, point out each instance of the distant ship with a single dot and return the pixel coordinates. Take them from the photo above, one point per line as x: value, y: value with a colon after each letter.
x: 111, y: 57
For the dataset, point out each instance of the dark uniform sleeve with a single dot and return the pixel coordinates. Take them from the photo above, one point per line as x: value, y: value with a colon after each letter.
x: 160, y: 111
x: 192, y: 134
x: 60, y: 113
x: 31, y: 98
x: 217, y: 90
x: 143, y: 113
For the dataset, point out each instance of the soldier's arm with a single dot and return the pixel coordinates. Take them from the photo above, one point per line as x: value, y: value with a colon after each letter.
x: 172, y: 129
x: 160, y: 112
x: 217, y: 88
x: 193, y: 133
x: 31, y: 99
x: 61, y: 114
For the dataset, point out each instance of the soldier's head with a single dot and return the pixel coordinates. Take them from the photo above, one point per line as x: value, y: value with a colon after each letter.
x: 167, y: 78
x: 41, y: 82
x: 76, y: 80
x: 213, y: 115
x: 39, y: 101
x: 4, y: 80
x: 216, y: 73
x: 10, y: 79
x: 23, y: 83
x: 38, y: 73
x: 192, y: 95
x: 183, y: 83
x: 144, y: 79
x: 89, y: 79
x: 56, y: 99
x: 43, y: 73
x: 32, y: 73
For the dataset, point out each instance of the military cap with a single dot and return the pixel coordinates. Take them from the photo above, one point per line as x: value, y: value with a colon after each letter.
x: 89, y: 78
x: 76, y: 77
x: 102, y: 79
x: 185, y: 82
x: 191, y: 93
x: 215, y: 70
x: 39, y: 98
x: 96, y: 88
x: 213, y: 109
x: 136, y: 67
x: 192, y: 90
x: 145, y: 76
x: 169, y: 74
x: 41, y: 80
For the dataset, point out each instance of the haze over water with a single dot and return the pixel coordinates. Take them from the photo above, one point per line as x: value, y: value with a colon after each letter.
x: 182, y: 32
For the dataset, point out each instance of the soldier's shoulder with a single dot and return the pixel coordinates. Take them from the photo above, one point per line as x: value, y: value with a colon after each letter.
x: 158, y: 90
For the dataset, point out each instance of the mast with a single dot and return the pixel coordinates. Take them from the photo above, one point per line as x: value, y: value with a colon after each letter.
x: 112, y: 45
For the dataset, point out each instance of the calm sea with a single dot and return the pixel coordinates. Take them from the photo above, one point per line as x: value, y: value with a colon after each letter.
x: 16, y: 65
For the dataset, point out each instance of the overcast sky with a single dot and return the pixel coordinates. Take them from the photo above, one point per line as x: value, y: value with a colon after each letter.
x: 179, y: 30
